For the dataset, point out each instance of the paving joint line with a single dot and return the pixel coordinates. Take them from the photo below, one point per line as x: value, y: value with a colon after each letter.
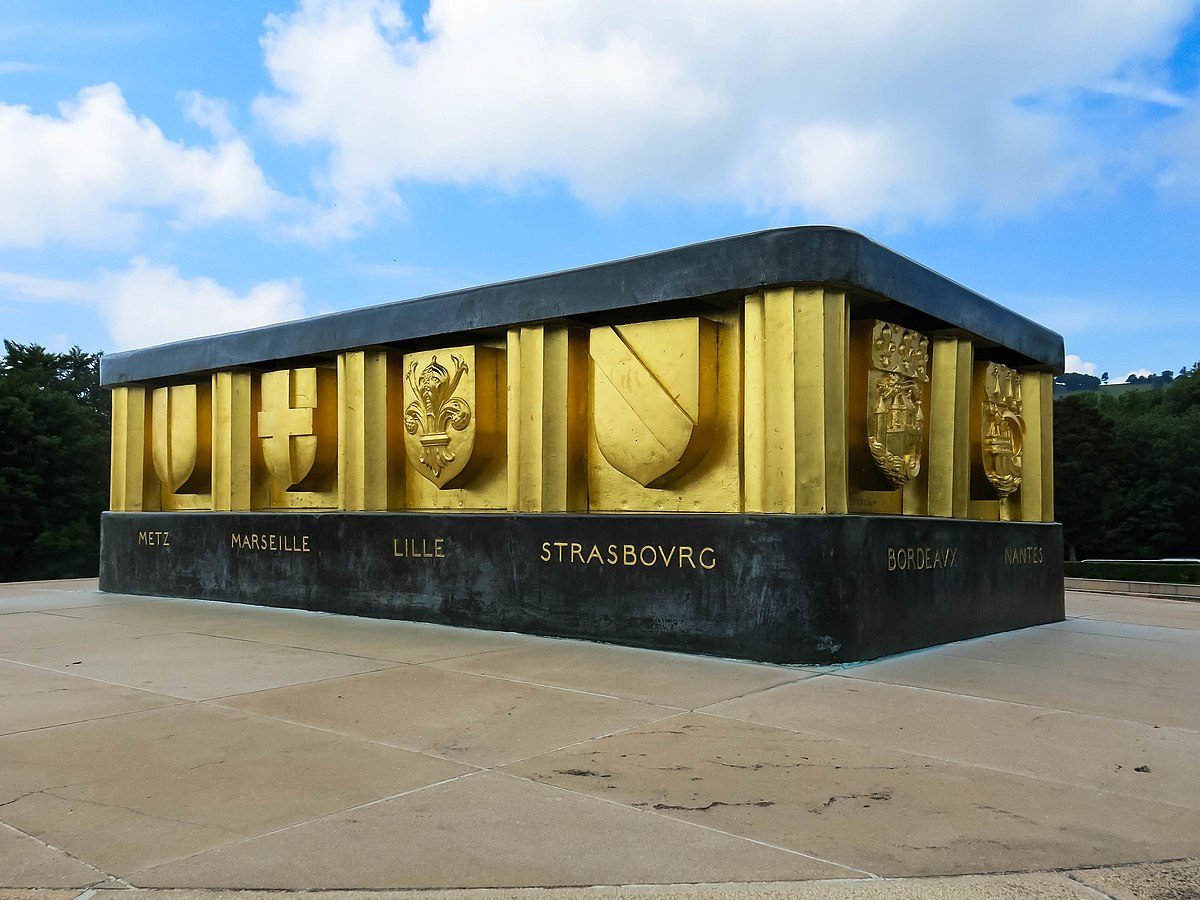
x: 309, y: 821
x: 108, y: 876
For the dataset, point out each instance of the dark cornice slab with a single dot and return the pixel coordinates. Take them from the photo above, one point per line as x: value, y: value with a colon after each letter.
x: 782, y: 256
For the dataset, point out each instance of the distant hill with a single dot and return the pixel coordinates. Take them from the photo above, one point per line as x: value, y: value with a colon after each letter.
x: 1078, y: 383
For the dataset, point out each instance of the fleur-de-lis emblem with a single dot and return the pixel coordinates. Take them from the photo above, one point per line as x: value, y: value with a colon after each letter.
x: 436, y: 411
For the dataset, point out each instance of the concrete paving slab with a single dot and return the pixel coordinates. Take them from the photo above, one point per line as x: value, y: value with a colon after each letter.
x: 197, y: 616
x: 28, y: 863
x: 1178, y: 880
x: 1115, y: 608
x: 1175, y: 703
x: 30, y: 630
x: 147, y: 787
x: 35, y: 698
x: 1158, y: 633
x: 668, y: 679
x: 1040, y: 886
x: 1087, y: 657
x: 883, y: 811
x: 34, y: 596
x: 972, y: 783
x: 504, y: 831
x: 407, y: 642
x: 1110, y: 646
x: 468, y: 718
x: 1068, y: 748
x: 192, y: 666
x: 131, y: 791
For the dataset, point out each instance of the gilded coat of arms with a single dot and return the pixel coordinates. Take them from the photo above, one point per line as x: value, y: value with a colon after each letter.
x: 1003, y: 426
x: 654, y: 396
x: 298, y: 427
x: 181, y: 417
x: 453, y: 417
x: 895, y: 400
x: 436, y: 412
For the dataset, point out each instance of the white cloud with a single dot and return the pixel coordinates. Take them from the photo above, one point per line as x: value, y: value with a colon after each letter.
x: 90, y: 173
x: 1078, y: 364
x: 1140, y: 372
x: 14, y: 67
x: 153, y: 304
x: 885, y: 110
x: 149, y: 304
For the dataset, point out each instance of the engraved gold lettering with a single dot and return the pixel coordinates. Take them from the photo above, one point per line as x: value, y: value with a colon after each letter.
x: 546, y: 551
x: 922, y: 559
x: 279, y: 543
x: 1024, y: 556
x: 686, y: 551
x: 712, y: 564
x: 630, y: 556
x: 612, y: 554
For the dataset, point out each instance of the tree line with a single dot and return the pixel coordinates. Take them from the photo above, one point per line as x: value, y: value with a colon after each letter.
x: 1127, y: 471
x: 1126, y: 467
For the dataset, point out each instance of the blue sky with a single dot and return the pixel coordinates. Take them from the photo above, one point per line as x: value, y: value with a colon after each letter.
x: 234, y: 163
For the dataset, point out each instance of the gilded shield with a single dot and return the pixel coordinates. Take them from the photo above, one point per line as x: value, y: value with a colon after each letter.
x: 1003, y: 428
x: 181, y: 424
x: 895, y: 400
x: 298, y: 427
x: 450, y: 412
x: 654, y: 396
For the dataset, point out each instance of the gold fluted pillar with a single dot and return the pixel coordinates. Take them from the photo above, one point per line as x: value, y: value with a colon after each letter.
x: 234, y: 406
x: 370, y: 441
x: 547, y: 424
x: 796, y: 394
x: 133, y: 484
x: 949, y: 424
x: 1037, y: 477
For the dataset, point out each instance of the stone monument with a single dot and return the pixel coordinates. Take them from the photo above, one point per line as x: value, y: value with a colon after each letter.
x: 792, y: 446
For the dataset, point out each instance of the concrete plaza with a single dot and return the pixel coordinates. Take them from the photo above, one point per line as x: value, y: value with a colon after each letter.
x: 191, y: 748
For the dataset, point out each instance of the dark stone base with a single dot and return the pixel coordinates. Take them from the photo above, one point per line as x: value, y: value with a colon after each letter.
x: 789, y: 589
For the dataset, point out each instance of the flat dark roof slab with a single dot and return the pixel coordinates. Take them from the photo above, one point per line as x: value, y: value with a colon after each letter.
x: 814, y: 254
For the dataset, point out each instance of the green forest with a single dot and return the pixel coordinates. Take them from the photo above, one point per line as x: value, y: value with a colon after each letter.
x: 1127, y: 467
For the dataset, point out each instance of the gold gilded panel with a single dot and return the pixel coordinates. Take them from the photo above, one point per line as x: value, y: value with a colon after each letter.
x: 371, y: 464
x: 949, y: 465
x: 796, y: 401
x: 654, y: 396
x: 133, y: 486
x: 182, y: 444
x: 1037, y: 456
x: 664, y: 408
x: 239, y: 474
x: 297, y: 425
x: 547, y: 418
x: 454, y: 428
